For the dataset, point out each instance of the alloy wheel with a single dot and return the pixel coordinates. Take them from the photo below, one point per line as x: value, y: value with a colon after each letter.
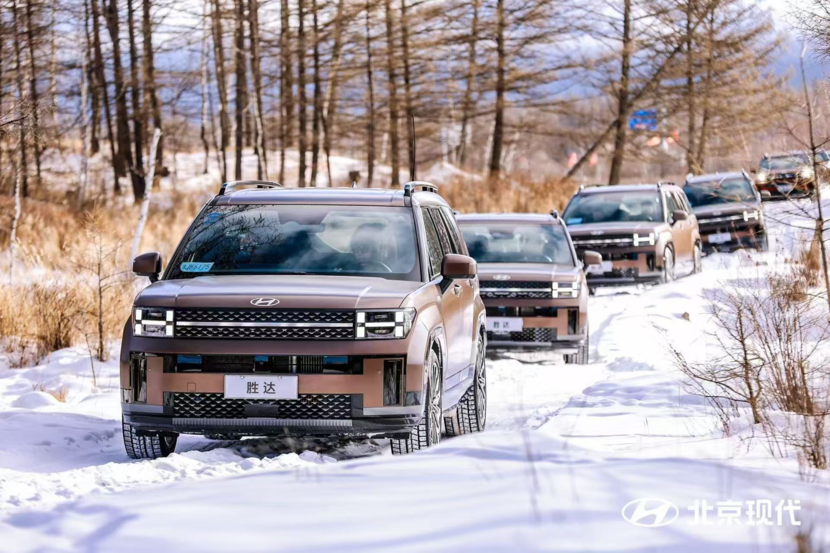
x: 435, y: 411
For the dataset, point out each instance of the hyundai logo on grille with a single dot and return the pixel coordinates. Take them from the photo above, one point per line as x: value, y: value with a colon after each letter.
x: 501, y: 277
x: 265, y: 302
x: 650, y: 512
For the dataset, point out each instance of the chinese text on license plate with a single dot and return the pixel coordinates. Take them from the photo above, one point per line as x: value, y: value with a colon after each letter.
x: 261, y: 387
x: 503, y: 325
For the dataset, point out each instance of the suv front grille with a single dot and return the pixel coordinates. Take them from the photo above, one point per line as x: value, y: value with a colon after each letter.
x: 309, y: 406
x: 526, y: 335
x: 277, y: 324
x: 515, y: 289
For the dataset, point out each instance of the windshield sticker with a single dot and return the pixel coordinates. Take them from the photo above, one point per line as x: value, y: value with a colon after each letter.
x: 195, y: 267
x: 574, y: 220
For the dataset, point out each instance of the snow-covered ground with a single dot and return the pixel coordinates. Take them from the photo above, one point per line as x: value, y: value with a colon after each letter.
x: 567, y: 448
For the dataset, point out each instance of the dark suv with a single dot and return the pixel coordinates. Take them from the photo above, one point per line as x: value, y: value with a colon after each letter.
x: 531, y: 281
x: 788, y: 175
x: 308, y: 312
x: 644, y: 232
x: 729, y: 211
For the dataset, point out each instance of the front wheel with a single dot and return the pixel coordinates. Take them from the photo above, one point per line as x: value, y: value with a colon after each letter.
x: 428, y: 431
x: 472, y: 409
x: 147, y: 446
x: 582, y: 355
x: 668, y: 266
x: 698, y: 263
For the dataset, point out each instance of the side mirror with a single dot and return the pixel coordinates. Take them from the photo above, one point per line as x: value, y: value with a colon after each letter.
x: 455, y: 266
x: 766, y: 194
x: 591, y: 258
x: 148, y: 265
x: 680, y: 215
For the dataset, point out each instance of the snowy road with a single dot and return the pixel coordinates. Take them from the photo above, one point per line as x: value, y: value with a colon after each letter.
x: 566, y: 448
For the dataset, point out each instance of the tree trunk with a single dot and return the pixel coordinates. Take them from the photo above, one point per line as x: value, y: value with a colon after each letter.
x: 34, y: 95
x: 150, y: 96
x: 623, y: 105
x: 138, y: 130
x: 370, y: 124
x: 331, y: 93
x: 145, y: 200
x: 241, y: 84
x: 301, y: 90
x: 286, y: 86
x: 498, y: 126
x: 22, y: 176
x: 118, y: 168
x: 691, y: 107
x: 700, y: 155
x: 203, y: 129
x: 92, y: 85
x: 393, y: 95
x: 121, y: 114
x: 318, y: 98
x: 256, y: 73
x: 407, y: 87
x: 221, y: 84
x: 467, y: 105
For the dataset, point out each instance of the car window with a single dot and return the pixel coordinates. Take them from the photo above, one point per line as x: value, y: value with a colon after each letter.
x: 494, y: 242
x: 447, y: 245
x: 300, y: 239
x: 673, y: 205
x: 719, y: 191
x: 433, y: 244
x: 612, y: 206
x: 454, y: 232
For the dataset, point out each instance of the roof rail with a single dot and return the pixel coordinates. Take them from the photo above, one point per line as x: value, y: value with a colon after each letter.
x: 554, y: 214
x: 424, y: 186
x: 665, y: 183
x: 596, y: 185
x: 228, y: 187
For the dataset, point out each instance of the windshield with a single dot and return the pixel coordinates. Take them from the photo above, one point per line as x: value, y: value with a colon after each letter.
x: 721, y: 191
x: 517, y: 243
x: 614, y: 207
x: 301, y: 239
x: 784, y: 163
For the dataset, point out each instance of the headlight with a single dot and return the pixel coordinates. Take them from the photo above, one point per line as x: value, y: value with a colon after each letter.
x: 752, y: 215
x: 153, y: 322
x: 807, y: 172
x: 762, y: 177
x: 643, y: 240
x: 386, y: 324
x: 564, y: 290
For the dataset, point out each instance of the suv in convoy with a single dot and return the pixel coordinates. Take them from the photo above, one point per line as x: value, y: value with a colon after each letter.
x: 728, y: 210
x: 644, y: 232
x: 531, y: 282
x: 786, y: 175
x: 308, y: 312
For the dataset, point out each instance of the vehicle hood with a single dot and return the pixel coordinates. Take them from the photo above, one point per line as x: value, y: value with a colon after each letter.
x: 718, y: 210
x: 598, y: 229
x: 292, y: 291
x: 528, y: 272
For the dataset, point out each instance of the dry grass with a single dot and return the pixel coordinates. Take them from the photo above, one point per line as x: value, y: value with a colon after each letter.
x: 60, y: 394
x: 521, y: 194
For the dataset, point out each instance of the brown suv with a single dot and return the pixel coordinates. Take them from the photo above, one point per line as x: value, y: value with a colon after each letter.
x: 531, y: 282
x: 644, y: 232
x: 308, y: 312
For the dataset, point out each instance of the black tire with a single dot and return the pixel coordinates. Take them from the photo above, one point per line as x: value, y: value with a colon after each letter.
x: 472, y: 408
x: 428, y: 431
x: 583, y: 353
x: 147, y: 446
x: 668, y: 266
x: 698, y: 259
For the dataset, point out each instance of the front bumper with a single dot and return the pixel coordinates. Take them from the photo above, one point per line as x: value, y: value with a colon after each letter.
x: 153, y: 419
x: 559, y: 324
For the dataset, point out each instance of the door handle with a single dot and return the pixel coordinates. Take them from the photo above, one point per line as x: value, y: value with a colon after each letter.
x: 457, y: 289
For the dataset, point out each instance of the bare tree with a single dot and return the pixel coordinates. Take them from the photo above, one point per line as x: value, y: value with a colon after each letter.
x: 221, y: 85
x: 370, y: 94
x: 150, y: 96
x: 256, y: 73
x: 391, y: 62
x: 301, y: 91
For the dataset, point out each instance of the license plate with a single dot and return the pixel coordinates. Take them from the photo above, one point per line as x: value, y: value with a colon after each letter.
x: 785, y: 188
x: 239, y: 386
x: 604, y: 267
x: 720, y: 238
x: 503, y: 325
